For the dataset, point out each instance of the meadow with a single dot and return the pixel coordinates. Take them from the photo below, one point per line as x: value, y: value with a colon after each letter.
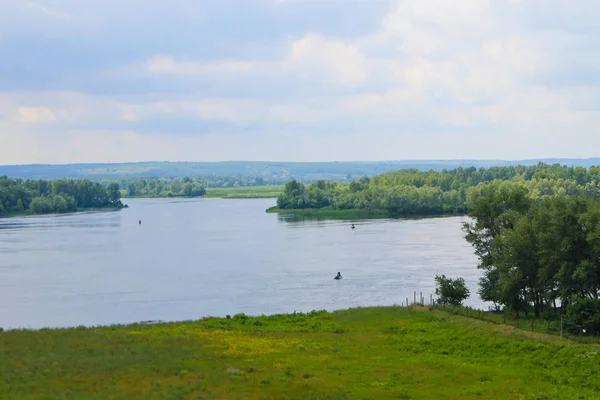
x: 248, y: 192
x: 363, y: 353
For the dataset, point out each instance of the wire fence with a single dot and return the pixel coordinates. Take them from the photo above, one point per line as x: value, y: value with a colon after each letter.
x: 553, y: 322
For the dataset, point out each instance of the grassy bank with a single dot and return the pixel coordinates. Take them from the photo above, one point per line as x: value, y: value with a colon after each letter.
x: 248, y: 192
x: 395, y: 353
x: 327, y: 212
x: 353, y: 213
x: 30, y: 213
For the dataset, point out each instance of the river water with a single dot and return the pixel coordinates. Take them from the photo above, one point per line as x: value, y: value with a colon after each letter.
x: 194, y: 258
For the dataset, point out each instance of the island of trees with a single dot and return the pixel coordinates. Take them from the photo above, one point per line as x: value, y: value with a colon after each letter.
x: 413, y: 192
x: 60, y: 196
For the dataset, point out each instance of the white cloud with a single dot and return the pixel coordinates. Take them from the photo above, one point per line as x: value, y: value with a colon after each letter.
x: 344, y: 62
x: 167, y: 65
x: 48, y: 11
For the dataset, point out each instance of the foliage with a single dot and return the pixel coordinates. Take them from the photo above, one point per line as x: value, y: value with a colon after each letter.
x: 583, y: 314
x: 451, y: 291
x: 413, y: 192
x: 535, y: 252
x: 41, y: 197
x: 364, y: 353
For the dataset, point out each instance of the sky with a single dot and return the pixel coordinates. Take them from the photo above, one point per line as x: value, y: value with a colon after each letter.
x: 298, y: 80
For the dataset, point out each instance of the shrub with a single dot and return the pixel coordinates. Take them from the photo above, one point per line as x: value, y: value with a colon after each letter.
x: 583, y: 313
x: 451, y: 291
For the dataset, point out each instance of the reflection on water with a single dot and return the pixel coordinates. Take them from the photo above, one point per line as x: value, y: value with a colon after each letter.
x: 192, y: 258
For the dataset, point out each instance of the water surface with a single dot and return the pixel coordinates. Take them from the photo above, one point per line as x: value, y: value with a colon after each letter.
x: 194, y: 258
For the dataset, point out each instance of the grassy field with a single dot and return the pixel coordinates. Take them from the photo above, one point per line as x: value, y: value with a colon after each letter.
x: 383, y: 353
x: 250, y: 192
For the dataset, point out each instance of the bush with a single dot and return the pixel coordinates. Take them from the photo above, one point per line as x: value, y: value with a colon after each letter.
x: 583, y: 313
x: 451, y: 291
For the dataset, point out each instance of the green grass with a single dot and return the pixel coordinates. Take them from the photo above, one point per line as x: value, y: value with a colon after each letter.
x: 383, y: 353
x: 248, y: 192
x: 548, y: 324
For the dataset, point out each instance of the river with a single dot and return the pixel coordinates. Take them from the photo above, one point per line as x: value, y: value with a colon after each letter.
x: 212, y: 257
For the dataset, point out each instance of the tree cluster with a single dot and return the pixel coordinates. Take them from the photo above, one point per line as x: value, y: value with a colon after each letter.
x: 412, y: 192
x: 41, y: 196
x: 536, y: 252
x: 183, y: 187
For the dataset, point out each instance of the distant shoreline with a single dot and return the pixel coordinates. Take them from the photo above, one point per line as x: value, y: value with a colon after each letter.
x: 30, y: 213
x: 246, y: 192
x: 355, y: 213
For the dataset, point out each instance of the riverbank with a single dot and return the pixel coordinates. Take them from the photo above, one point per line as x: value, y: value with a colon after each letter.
x: 247, y: 192
x: 30, y: 213
x: 327, y: 212
x: 385, y: 352
x: 354, y: 213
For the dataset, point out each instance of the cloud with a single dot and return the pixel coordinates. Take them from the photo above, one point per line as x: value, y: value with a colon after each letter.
x: 427, y: 79
x: 48, y: 11
x: 345, y: 62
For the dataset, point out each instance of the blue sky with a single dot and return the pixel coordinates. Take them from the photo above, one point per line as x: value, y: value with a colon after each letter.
x: 302, y: 80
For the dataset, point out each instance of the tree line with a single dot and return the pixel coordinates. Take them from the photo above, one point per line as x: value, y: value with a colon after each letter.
x: 184, y: 187
x: 64, y: 195
x: 412, y: 192
x: 538, y: 253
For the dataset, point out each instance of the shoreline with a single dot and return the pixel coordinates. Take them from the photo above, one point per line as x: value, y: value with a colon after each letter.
x: 245, y: 192
x: 32, y: 214
x: 356, y: 213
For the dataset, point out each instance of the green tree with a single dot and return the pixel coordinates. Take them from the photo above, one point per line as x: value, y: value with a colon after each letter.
x: 451, y: 291
x: 114, y: 193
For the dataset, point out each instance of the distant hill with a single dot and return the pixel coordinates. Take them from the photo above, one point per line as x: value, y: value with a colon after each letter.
x: 267, y: 169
